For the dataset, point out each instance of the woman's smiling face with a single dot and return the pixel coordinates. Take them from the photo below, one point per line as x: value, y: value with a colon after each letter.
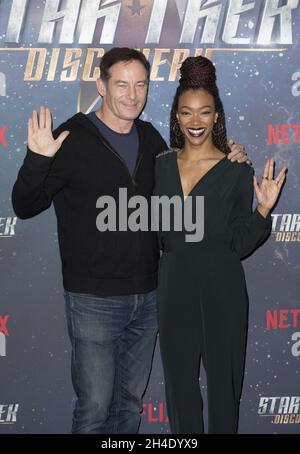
x: 196, y: 115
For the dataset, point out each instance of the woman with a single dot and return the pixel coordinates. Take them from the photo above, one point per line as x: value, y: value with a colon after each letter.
x: 202, y: 295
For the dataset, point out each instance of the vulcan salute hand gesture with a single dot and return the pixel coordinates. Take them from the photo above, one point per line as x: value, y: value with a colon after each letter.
x: 268, y: 191
x: 40, y: 138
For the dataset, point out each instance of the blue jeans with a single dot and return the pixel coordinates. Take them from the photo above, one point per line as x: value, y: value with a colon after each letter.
x: 113, y: 340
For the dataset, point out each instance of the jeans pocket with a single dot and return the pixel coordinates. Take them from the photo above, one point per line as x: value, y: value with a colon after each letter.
x: 96, y: 319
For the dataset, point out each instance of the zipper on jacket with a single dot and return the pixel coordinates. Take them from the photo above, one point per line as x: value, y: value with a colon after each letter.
x: 136, y: 167
x: 132, y: 177
x: 107, y: 145
x: 137, y: 253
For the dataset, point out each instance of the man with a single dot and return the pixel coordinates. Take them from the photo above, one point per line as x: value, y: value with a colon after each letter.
x: 109, y: 277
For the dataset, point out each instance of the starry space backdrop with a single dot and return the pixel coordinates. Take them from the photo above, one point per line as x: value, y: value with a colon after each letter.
x: 258, y: 88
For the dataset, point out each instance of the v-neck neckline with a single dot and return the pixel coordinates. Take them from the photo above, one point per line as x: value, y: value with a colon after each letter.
x: 200, y: 180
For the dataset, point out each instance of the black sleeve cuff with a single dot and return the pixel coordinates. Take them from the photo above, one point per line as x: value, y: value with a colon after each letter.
x: 37, y: 162
x: 261, y: 221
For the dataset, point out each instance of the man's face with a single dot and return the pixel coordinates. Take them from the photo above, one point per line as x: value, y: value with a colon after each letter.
x: 124, y: 93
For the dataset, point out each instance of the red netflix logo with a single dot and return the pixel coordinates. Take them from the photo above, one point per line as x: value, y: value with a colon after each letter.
x: 3, y: 334
x: 283, y: 318
x: 3, y: 327
x: 155, y: 413
x: 2, y: 136
x: 285, y: 134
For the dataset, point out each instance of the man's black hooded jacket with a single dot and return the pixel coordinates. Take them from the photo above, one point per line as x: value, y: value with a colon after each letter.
x: 85, y: 168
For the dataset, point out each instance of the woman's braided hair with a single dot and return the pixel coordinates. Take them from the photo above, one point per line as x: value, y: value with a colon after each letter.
x: 198, y: 73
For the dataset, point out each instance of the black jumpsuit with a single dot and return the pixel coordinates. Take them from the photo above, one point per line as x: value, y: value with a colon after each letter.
x: 202, y: 295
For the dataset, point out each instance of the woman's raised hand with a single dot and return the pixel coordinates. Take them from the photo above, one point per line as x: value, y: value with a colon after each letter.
x: 267, y: 192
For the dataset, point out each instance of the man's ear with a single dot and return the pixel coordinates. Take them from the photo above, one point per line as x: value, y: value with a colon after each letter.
x: 101, y: 87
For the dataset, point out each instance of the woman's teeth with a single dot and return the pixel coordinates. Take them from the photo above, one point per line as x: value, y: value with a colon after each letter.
x: 196, y: 132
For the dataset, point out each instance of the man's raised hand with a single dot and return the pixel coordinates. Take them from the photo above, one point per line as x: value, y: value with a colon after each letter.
x: 40, y: 137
